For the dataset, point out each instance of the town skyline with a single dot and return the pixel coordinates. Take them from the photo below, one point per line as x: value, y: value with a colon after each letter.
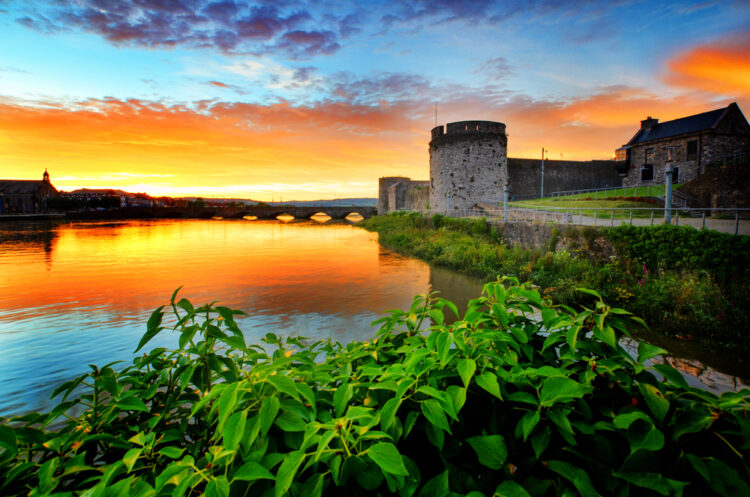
x: 307, y: 101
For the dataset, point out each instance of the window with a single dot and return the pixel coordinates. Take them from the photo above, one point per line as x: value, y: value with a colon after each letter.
x: 649, y: 156
x: 675, y: 175
x: 670, y: 154
x: 647, y: 172
x: 621, y: 154
x: 692, y: 150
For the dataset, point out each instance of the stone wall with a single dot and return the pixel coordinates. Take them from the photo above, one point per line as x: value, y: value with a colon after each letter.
x: 383, y: 197
x: 417, y: 197
x: 559, y: 175
x: 404, y: 194
x: 468, y: 164
x: 712, y: 148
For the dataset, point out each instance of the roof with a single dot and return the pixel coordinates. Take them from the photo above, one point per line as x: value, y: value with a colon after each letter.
x: 19, y: 186
x: 682, y: 126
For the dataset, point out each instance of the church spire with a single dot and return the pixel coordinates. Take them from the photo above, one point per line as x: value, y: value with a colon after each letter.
x: 45, y: 177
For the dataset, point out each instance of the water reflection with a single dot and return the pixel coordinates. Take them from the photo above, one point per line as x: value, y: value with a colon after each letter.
x: 80, y: 293
x: 91, y: 302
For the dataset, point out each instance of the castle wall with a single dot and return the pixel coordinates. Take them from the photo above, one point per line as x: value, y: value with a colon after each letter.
x: 417, y: 196
x: 383, y: 196
x: 468, y: 164
x: 559, y: 175
x: 408, y: 195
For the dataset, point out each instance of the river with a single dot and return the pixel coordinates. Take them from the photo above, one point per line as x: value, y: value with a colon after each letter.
x: 78, y: 293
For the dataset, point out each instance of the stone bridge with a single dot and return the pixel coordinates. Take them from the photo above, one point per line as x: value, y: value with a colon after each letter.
x: 337, y: 212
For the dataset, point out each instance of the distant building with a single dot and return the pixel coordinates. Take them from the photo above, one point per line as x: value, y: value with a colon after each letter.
x: 689, y: 144
x: 118, y: 198
x: 26, y: 196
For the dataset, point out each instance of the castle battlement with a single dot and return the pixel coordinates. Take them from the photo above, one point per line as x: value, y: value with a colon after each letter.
x: 468, y: 128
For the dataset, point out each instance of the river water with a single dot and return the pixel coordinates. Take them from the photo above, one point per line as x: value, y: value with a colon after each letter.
x: 75, y: 293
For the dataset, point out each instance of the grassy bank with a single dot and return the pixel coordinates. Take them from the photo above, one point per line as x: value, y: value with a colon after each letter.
x: 493, y: 404
x: 685, y: 283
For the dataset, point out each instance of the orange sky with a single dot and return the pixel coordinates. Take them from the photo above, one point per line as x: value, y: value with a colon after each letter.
x: 276, y: 150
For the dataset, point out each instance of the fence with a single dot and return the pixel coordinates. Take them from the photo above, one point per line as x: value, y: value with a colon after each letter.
x: 728, y: 220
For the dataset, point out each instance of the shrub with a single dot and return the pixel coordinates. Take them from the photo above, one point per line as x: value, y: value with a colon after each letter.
x: 497, y: 402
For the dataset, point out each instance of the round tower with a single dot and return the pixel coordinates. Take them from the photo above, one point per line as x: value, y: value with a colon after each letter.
x: 468, y: 164
x: 383, y: 185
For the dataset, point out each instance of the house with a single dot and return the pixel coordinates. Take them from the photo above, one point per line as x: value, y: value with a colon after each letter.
x: 26, y: 196
x: 689, y: 145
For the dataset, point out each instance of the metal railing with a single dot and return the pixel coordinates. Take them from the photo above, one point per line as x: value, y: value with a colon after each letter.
x: 729, y: 220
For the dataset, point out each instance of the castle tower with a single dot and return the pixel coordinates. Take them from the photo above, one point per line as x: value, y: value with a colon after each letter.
x: 383, y: 185
x: 468, y: 164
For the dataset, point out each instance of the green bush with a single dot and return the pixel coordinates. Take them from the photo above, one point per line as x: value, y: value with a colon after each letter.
x: 684, y: 282
x: 499, y: 402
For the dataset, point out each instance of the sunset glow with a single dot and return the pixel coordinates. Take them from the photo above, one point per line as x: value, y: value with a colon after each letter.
x: 319, y: 100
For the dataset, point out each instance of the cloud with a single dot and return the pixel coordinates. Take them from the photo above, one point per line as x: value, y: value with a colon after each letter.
x: 232, y: 27
x: 722, y: 67
x: 372, y: 127
x: 497, y: 68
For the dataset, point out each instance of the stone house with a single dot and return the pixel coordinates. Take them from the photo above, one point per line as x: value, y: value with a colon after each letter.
x: 25, y: 196
x: 689, y: 144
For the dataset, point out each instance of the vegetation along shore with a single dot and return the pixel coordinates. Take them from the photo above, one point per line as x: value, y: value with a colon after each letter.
x: 685, y: 283
x: 517, y: 397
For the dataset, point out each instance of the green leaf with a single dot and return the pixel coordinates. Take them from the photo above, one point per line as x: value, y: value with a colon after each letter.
x: 435, y: 414
x: 647, y: 351
x: 576, y: 476
x: 251, y: 471
x: 218, y: 487
x: 572, y: 336
x: 655, y: 482
x: 606, y: 334
x: 488, y: 381
x: 655, y: 400
x: 528, y: 422
x: 590, y: 292
x: 47, y: 480
x: 388, y: 412
x: 291, y: 421
x: 8, y: 439
x: 561, y: 389
x: 153, y: 327
x: 132, y: 404
x: 314, y: 486
x: 623, y: 421
x: 444, y: 342
x: 171, y: 452
x: 466, y: 369
x: 643, y: 435
x: 540, y: 441
x: 671, y: 374
x: 268, y: 411
x: 510, y: 488
x: 388, y: 458
x: 437, y: 486
x: 341, y: 398
x: 284, y: 384
x: 233, y: 430
x: 131, y: 457
x: 491, y: 450
x: 287, y: 471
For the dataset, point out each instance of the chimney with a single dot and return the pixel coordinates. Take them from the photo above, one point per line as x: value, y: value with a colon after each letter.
x: 649, y: 123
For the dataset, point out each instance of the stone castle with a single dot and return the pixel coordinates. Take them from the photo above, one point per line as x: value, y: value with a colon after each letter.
x: 469, y: 163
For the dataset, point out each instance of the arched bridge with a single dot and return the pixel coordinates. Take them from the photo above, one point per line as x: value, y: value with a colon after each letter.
x: 338, y: 212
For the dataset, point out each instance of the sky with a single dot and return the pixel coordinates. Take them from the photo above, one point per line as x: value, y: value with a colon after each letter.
x: 282, y: 99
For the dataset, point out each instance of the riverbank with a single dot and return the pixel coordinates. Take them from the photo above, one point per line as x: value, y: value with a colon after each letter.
x: 688, y: 284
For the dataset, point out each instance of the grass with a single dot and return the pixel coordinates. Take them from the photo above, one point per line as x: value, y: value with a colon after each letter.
x: 634, y: 191
x: 589, y: 206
